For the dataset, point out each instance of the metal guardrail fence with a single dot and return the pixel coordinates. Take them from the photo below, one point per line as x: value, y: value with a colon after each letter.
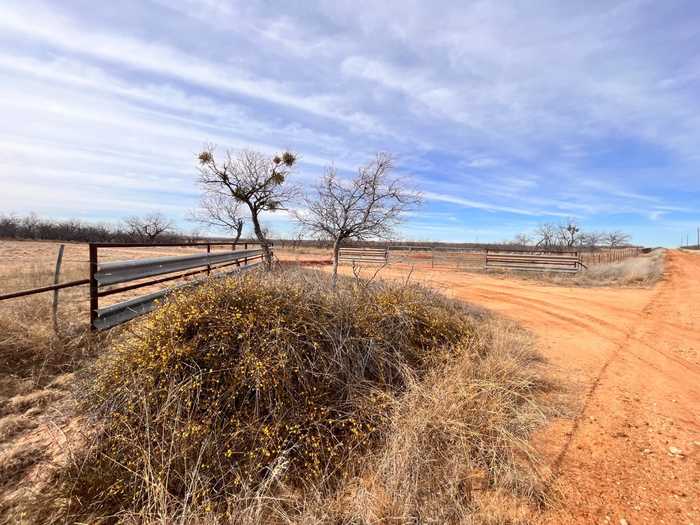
x: 104, y: 275
x: 466, y: 259
x: 363, y: 255
x: 561, y: 262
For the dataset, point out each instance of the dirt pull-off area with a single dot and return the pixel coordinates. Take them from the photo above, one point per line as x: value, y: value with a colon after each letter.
x: 632, y: 452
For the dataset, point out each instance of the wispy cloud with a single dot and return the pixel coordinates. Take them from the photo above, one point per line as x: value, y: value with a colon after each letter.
x: 501, y: 113
x: 468, y: 203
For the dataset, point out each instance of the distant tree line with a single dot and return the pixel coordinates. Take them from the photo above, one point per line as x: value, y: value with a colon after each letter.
x: 153, y: 227
x: 569, y: 234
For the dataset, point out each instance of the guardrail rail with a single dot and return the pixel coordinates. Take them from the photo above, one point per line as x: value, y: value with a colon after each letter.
x: 363, y: 256
x: 103, y: 276
x: 531, y: 261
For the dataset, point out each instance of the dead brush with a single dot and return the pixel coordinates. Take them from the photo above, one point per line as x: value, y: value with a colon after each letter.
x: 273, y: 399
x: 29, y: 347
x: 642, y: 270
x: 458, y: 438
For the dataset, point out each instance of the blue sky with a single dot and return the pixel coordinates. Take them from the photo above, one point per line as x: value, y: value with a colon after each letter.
x: 505, y: 114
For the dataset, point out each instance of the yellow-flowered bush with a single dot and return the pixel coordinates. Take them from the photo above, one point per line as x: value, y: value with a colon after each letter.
x: 241, y: 380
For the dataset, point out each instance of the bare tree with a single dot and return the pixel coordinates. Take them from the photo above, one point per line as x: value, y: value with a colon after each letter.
x: 591, y: 239
x: 522, y: 239
x: 616, y: 238
x: 368, y: 206
x: 253, y: 179
x: 219, y: 211
x: 569, y: 233
x: 546, y: 235
x: 148, y: 227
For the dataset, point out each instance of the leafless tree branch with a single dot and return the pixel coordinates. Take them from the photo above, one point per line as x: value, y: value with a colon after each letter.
x: 369, y: 206
x: 148, y: 227
x: 221, y: 212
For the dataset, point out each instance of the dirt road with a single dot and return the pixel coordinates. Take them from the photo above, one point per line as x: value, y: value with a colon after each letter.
x: 632, y: 451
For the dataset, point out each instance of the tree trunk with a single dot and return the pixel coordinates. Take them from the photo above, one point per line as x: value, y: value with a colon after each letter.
x: 239, y: 232
x: 336, y: 254
x: 264, y: 244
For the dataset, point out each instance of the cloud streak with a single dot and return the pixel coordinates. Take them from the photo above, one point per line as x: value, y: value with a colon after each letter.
x: 501, y: 114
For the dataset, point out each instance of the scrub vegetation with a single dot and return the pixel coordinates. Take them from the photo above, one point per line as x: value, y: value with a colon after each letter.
x: 274, y: 398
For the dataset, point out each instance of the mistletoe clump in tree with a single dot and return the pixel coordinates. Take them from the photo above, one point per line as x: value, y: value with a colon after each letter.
x: 253, y: 179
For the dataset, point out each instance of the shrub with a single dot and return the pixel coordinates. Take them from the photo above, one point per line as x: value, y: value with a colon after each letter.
x: 250, y: 381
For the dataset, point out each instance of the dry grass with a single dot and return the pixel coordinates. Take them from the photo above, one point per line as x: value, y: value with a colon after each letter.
x: 14, y: 424
x: 37, y: 364
x: 641, y: 270
x: 275, y: 400
x: 457, y: 441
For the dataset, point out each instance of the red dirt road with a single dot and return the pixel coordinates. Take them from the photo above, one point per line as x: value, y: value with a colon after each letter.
x: 632, y: 451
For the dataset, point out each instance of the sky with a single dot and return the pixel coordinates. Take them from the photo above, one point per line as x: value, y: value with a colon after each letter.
x: 504, y: 114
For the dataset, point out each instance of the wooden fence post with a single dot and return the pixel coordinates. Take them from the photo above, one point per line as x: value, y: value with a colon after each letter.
x: 56, y: 273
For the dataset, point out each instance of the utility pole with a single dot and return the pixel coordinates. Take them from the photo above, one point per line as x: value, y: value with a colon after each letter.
x: 698, y: 238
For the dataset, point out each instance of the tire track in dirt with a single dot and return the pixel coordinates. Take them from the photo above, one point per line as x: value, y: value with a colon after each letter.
x: 575, y: 320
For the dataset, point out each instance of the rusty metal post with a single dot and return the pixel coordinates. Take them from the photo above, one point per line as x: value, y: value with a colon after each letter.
x: 208, y: 265
x: 94, y: 300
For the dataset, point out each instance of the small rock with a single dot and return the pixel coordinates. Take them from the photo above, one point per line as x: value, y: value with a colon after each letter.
x: 646, y: 451
x: 623, y: 521
x: 675, y: 451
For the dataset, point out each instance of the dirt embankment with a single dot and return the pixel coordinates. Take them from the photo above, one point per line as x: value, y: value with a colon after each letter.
x: 632, y: 450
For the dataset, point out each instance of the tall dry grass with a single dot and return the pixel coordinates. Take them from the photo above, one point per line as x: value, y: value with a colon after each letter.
x: 641, y: 270
x: 274, y: 399
x: 37, y: 363
x: 456, y: 447
x: 30, y: 347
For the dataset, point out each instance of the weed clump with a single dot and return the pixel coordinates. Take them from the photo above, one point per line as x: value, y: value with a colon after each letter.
x: 245, y: 382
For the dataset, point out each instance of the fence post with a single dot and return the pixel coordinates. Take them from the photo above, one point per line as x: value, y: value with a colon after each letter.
x: 432, y: 257
x: 208, y: 263
x: 94, y: 301
x: 56, y: 273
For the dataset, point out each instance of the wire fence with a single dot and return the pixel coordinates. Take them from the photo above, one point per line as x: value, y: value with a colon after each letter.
x: 610, y: 255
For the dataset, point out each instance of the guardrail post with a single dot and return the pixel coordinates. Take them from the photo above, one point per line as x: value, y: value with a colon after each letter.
x: 94, y: 300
